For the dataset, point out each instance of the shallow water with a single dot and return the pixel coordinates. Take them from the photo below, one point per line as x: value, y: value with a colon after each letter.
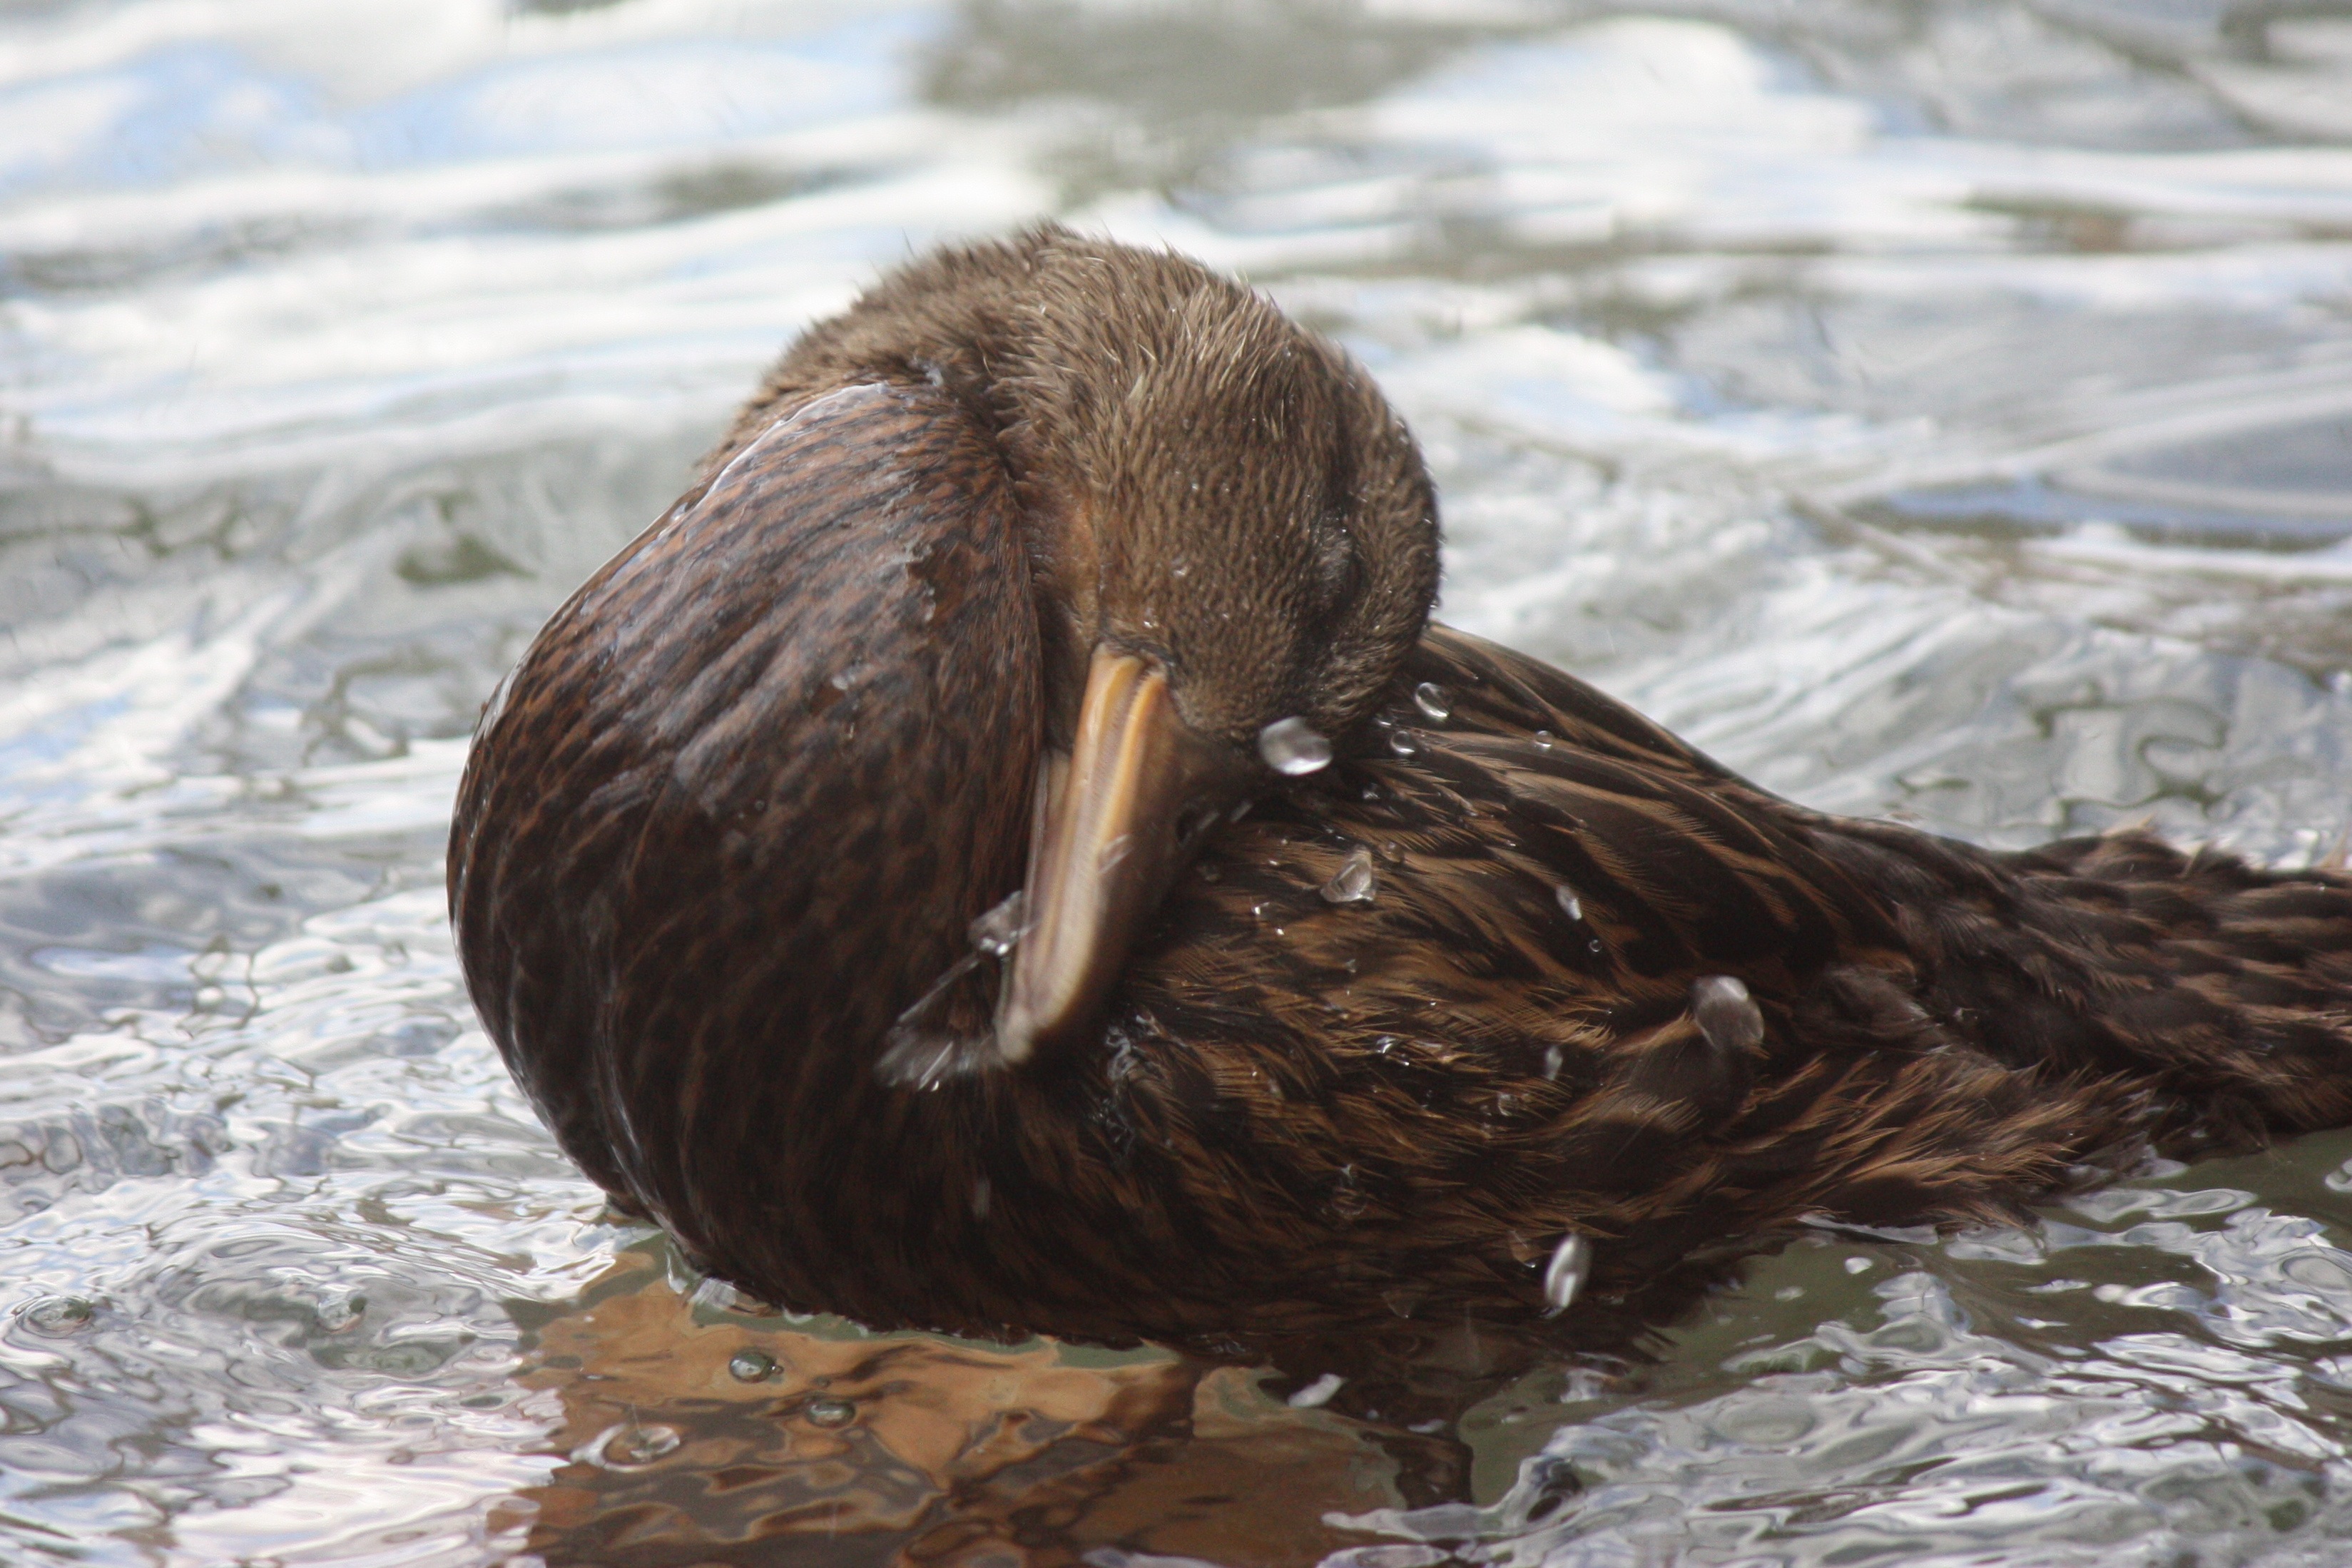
x: 1934, y: 408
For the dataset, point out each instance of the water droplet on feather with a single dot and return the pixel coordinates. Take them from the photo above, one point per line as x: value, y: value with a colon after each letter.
x: 1564, y: 1276
x: 1354, y: 882
x: 1293, y: 746
x: 1570, y: 904
x: 1347, y: 1202
x: 1432, y: 699
x: 1317, y: 1393
x: 751, y: 1366
x: 1725, y: 1014
x: 1000, y: 930
x: 830, y: 1412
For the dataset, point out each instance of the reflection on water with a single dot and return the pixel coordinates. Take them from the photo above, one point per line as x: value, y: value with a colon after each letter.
x: 694, y: 1435
x: 1936, y: 407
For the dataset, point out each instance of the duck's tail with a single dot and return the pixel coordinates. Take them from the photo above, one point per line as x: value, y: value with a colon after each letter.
x: 2221, y: 990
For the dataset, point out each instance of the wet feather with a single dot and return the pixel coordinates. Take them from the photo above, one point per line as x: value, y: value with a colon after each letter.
x: 1516, y: 963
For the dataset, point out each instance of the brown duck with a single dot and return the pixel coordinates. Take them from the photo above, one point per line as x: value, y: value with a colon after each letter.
x: 1362, y: 972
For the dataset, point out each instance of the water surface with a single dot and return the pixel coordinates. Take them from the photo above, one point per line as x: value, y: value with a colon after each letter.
x: 1936, y: 409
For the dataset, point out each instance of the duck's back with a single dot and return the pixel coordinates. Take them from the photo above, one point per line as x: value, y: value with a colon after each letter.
x: 1469, y: 992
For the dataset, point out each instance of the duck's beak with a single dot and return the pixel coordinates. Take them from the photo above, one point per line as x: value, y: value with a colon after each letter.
x: 1108, y: 839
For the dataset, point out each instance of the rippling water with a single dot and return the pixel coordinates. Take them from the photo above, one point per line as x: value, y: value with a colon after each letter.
x: 1936, y: 408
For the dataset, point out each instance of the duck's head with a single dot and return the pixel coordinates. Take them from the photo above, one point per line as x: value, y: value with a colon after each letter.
x: 1234, y: 545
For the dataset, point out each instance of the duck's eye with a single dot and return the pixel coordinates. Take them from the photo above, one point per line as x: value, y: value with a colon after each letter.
x: 1338, y: 566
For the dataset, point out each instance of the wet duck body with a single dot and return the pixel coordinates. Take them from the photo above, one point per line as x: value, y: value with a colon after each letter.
x: 1363, y: 974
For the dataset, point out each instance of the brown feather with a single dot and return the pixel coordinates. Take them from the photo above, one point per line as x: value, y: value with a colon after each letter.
x: 740, y: 803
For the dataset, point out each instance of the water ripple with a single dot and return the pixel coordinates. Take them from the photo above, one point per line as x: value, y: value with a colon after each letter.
x: 1935, y: 410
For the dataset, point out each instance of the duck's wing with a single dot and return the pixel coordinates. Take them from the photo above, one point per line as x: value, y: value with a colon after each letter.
x: 2213, y: 994
x: 1458, y: 993
x: 2219, y: 991
x: 1454, y: 993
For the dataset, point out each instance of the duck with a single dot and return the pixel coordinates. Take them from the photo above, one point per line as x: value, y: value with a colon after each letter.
x: 1009, y: 852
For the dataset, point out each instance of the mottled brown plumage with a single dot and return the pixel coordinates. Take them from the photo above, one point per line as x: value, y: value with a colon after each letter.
x: 1375, y: 1047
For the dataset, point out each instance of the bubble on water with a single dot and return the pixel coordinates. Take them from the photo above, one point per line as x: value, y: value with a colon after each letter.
x: 1000, y: 931
x: 337, y: 1315
x: 717, y: 1295
x: 1570, y: 904
x: 1725, y: 1014
x: 1432, y: 699
x: 1564, y: 1276
x: 635, y: 1444
x: 830, y: 1412
x: 1354, y: 882
x: 751, y: 1366
x: 1293, y: 746
x: 55, y: 1317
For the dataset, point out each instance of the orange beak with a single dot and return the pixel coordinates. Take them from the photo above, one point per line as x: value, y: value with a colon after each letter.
x: 1106, y: 846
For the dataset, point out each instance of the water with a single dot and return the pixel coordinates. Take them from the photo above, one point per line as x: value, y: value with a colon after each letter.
x: 999, y: 931
x: 1354, y: 882
x: 1725, y: 1014
x: 1940, y: 409
x: 1291, y: 746
x: 1564, y: 1275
